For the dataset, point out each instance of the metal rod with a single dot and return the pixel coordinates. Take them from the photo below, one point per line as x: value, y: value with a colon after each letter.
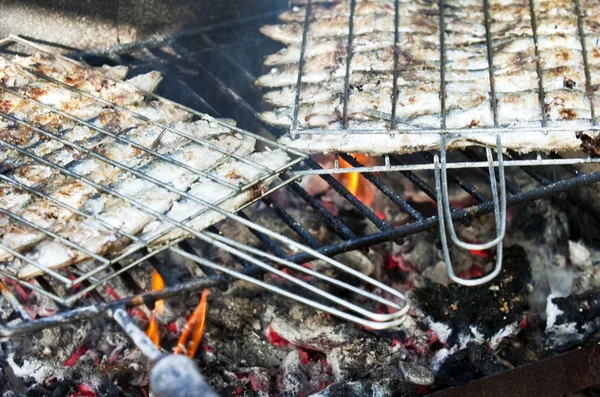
x: 352, y: 199
x: 349, y: 55
x: 389, y: 193
x: 393, y: 120
x: 138, y: 337
x: 398, y: 166
x: 442, y: 65
x: 490, y: 56
x: 307, y: 11
x: 586, y: 65
x: 538, y: 62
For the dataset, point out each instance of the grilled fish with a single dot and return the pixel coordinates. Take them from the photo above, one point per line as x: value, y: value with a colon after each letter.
x: 537, y: 79
x: 197, y: 153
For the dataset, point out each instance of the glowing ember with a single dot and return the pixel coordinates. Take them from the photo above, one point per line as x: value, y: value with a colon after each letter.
x: 356, y: 183
x: 195, y: 328
x: 153, y: 332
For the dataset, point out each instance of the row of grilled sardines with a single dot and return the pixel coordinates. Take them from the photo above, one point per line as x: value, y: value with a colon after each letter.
x: 533, y: 87
x: 60, y: 188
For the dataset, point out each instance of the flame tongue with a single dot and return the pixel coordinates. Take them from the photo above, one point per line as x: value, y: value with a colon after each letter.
x: 356, y: 183
x: 152, y: 331
x: 195, y: 328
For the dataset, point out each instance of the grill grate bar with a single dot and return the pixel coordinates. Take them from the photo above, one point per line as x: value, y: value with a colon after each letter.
x: 442, y: 65
x: 389, y: 193
x: 292, y: 223
x: 340, y: 228
x: 569, y: 167
x: 473, y: 156
x: 184, y: 245
x: 349, y: 54
x: 352, y: 199
x: 530, y: 171
x: 411, y: 176
x: 266, y: 240
x: 466, y: 186
x: 586, y: 65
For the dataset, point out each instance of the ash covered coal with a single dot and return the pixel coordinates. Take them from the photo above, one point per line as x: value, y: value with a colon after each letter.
x: 256, y: 342
x: 88, y: 357
x: 465, y: 365
x: 487, y: 313
x: 572, y: 320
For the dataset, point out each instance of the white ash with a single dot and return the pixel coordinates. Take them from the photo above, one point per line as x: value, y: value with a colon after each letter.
x: 363, y: 356
x: 416, y: 374
x: 387, y: 387
x: 304, y: 335
x: 293, y: 379
x: 43, y: 355
x: 494, y: 341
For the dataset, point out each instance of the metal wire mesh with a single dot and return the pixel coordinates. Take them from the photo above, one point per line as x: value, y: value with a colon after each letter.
x: 264, y: 174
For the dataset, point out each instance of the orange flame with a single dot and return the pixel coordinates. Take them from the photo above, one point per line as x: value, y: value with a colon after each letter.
x: 356, y: 183
x: 195, y: 327
x: 159, y: 306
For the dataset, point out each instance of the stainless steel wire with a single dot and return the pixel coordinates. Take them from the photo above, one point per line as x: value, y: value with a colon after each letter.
x: 364, y: 315
x: 446, y: 134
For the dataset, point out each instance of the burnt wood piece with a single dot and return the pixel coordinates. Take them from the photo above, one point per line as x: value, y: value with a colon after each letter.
x: 556, y: 376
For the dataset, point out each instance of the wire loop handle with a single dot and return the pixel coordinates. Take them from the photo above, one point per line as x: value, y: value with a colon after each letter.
x: 445, y: 213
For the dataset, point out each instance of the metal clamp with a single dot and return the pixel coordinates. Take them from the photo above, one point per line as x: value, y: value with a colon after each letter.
x: 445, y: 214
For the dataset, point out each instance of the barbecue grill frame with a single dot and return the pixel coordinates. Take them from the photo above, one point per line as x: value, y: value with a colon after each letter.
x: 388, y: 232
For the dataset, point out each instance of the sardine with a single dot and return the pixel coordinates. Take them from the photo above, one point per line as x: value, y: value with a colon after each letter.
x: 103, y: 208
x: 94, y: 236
x: 526, y: 80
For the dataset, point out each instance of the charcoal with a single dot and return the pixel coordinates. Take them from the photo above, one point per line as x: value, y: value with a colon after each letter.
x: 391, y: 387
x: 458, y: 309
x: 514, y: 355
x: 483, y: 360
x: 61, y: 389
x: 457, y: 369
x: 572, y: 320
